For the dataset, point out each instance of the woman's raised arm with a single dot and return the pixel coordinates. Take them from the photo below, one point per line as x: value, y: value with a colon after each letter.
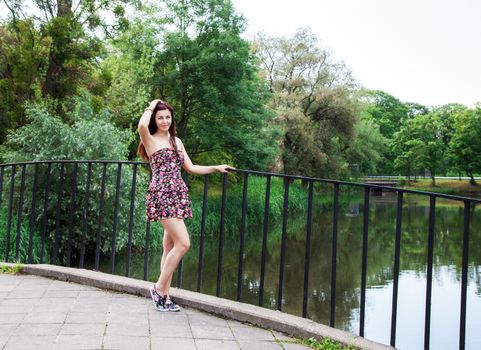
x: 143, y: 127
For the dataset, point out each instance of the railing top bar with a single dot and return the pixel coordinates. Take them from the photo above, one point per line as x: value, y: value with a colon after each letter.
x: 74, y: 161
x: 358, y: 184
x: 264, y: 173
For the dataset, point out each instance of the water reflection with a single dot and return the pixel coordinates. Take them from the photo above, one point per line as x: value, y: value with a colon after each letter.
x: 412, y: 283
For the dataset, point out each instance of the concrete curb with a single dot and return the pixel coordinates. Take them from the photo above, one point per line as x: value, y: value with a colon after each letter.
x: 265, y: 318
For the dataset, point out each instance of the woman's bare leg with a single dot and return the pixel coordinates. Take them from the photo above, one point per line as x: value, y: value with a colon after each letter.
x: 167, y: 244
x: 178, y: 233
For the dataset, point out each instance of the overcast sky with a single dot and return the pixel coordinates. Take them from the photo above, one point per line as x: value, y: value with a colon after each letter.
x: 424, y: 51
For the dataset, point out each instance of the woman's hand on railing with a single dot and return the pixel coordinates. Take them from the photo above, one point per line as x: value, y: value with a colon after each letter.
x: 224, y: 168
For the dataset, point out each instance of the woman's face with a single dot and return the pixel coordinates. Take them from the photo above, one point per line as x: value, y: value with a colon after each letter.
x: 163, y: 119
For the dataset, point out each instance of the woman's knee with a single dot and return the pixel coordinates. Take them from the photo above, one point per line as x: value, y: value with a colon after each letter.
x: 167, y: 248
x: 167, y: 242
x: 178, y: 234
x: 184, y: 245
x: 167, y: 245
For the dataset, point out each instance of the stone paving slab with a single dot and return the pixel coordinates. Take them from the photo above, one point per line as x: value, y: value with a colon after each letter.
x: 41, y: 313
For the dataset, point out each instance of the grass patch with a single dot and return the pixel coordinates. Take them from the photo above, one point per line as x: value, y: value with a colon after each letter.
x: 446, y: 186
x: 326, y: 344
x: 15, y: 269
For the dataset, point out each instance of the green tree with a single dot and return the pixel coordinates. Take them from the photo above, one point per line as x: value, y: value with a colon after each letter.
x: 420, y: 142
x: 405, y: 145
x: 312, y: 100
x: 195, y: 59
x: 387, y: 111
x: 70, y: 26
x: 391, y: 115
x: 22, y: 69
x: 465, y: 145
x: 129, y: 69
x: 366, y: 150
x: 207, y: 71
x: 51, y: 49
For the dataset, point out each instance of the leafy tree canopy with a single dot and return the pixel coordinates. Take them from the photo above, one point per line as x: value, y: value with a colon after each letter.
x: 196, y: 60
x: 465, y: 145
x: 312, y: 100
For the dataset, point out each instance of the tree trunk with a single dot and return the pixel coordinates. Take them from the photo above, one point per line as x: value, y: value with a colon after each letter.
x: 471, y: 180
x: 64, y: 8
x: 54, y: 72
x: 55, y: 63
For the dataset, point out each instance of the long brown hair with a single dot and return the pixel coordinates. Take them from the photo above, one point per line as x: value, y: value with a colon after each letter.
x: 153, y: 129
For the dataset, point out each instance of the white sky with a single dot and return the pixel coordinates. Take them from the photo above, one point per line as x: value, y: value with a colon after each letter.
x: 424, y: 51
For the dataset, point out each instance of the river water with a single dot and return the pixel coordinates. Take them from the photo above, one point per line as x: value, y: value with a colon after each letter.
x: 446, y: 291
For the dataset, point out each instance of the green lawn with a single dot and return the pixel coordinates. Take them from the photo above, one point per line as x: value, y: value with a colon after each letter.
x: 447, y: 186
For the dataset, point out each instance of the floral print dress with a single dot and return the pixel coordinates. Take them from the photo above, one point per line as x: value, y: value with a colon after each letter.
x: 167, y: 195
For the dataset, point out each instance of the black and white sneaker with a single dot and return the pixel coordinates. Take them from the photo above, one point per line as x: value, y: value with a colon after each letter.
x: 163, y: 303
x: 157, y: 299
x: 170, y: 304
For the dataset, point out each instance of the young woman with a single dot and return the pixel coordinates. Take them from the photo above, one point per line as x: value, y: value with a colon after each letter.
x: 167, y: 198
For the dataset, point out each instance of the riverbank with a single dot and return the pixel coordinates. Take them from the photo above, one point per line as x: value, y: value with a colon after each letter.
x: 446, y: 186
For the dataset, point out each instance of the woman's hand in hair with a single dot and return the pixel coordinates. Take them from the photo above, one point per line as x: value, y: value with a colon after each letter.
x: 154, y: 103
x: 224, y: 168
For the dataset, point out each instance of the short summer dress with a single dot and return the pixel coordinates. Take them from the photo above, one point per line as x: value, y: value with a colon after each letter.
x: 167, y: 195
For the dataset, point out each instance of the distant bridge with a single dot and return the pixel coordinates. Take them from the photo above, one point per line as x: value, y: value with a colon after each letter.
x: 377, y: 191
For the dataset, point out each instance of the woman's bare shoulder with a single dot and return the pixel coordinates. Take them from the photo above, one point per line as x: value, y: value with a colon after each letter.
x: 179, y: 142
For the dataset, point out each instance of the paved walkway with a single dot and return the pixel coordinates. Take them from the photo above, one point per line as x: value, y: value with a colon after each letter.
x: 41, y: 313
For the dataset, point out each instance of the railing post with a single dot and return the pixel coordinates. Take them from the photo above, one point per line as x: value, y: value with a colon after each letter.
x: 53, y: 257
x: 397, y: 249
x: 429, y: 275
x: 1, y: 183
x: 202, y: 233
x: 464, y: 276
x: 242, y: 237
x: 264, y: 240
x: 307, y: 257
x: 147, y: 241
x: 9, y: 220
x: 32, y: 214
x: 221, y: 235
x: 20, y: 213
x: 73, y: 200
x: 101, y: 218
x: 335, y: 216
x: 116, y: 218
x: 365, y: 233
x: 45, y: 211
x: 285, y: 210
x: 84, y: 215
x: 131, y: 220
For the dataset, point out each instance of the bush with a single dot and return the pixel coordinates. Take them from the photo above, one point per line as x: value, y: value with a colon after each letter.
x: 233, y: 209
x: 24, y: 239
x: 86, y: 135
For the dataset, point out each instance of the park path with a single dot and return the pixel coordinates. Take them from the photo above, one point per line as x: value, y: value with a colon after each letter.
x: 42, y: 313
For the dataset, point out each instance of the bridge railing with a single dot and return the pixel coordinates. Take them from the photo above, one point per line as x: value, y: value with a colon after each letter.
x: 72, y: 175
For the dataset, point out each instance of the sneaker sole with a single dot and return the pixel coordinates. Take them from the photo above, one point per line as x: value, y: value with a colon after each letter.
x: 161, y: 310
x: 153, y: 297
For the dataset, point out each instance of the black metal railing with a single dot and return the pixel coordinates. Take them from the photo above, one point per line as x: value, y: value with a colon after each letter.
x: 42, y: 174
